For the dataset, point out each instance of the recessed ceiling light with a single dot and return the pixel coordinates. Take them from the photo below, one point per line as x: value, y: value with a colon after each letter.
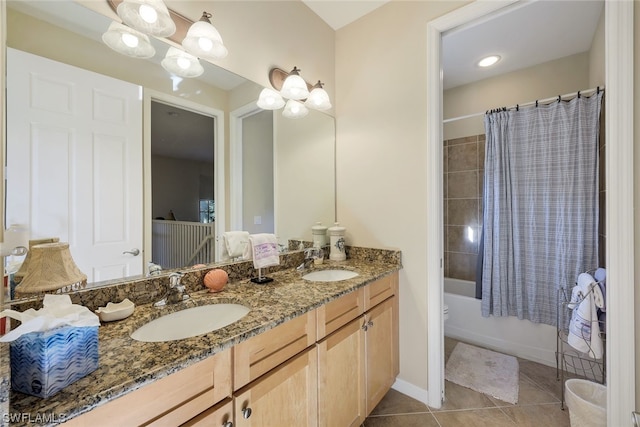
x: 488, y: 61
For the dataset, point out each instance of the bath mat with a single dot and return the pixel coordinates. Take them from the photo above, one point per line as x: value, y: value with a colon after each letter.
x: 485, y: 371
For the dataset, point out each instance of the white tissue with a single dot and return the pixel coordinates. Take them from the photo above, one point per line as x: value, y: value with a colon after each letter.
x: 57, y: 311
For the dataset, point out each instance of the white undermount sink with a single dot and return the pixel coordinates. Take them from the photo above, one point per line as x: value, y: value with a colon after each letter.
x: 329, y: 275
x: 190, y: 322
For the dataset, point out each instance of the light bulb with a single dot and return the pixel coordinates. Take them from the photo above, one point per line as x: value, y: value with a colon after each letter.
x: 183, y: 63
x: 205, y: 44
x: 130, y: 40
x: 148, y: 14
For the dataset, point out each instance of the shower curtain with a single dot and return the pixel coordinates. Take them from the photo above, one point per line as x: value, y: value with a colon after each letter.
x: 540, y: 223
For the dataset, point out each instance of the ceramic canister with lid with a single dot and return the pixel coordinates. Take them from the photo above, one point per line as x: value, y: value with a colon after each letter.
x: 319, y: 233
x: 336, y: 237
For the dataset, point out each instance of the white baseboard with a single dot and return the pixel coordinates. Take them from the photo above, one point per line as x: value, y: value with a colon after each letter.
x: 411, y: 390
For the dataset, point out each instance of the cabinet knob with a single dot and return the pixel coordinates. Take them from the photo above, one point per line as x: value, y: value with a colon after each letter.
x: 246, y: 412
x: 227, y: 424
x: 370, y: 323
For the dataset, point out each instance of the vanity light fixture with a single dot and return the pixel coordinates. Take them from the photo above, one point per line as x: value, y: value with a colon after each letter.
x: 488, y: 61
x: 203, y: 40
x: 147, y: 16
x: 181, y: 63
x: 128, y: 41
x: 296, y: 91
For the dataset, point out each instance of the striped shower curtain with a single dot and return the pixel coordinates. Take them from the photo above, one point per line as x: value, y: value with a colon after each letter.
x: 540, y: 223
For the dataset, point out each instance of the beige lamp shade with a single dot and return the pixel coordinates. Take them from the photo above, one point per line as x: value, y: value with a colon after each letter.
x: 19, y: 275
x: 51, y: 268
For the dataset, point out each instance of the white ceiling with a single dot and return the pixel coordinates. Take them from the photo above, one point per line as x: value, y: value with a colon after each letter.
x: 529, y: 33
x: 338, y: 13
x: 523, y: 35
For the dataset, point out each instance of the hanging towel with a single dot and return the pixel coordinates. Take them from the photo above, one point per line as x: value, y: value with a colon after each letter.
x: 601, y: 277
x: 235, y: 243
x: 581, y: 289
x: 584, y: 330
x: 263, y: 249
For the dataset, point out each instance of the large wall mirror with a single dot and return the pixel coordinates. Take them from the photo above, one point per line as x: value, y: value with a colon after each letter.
x: 208, y: 158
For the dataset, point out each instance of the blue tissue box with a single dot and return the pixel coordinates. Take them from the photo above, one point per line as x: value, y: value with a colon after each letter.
x: 43, y: 363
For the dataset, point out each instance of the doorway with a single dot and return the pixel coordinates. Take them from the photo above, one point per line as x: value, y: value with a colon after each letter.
x: 184, y: 181
x: 619, y: 157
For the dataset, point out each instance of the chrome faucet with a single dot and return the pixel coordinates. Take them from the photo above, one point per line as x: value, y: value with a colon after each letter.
x: 310, y: 254
x: 175, y: 293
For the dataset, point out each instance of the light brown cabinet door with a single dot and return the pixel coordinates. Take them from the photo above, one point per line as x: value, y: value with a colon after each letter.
x: 285, y: 396
x: 380, y: 351
x: 341, y: 386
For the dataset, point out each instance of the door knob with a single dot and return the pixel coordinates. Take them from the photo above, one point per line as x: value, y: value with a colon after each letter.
x: 134, y: 252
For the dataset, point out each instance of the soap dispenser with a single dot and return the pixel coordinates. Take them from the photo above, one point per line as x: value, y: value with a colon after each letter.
x: 336, y: 236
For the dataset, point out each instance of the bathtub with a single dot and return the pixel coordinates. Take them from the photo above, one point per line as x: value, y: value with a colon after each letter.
x: 522, y: 338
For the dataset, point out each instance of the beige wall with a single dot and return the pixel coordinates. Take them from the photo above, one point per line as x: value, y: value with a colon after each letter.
x: 596, y: 56
x: 381, y: 152
x: 546, y: 80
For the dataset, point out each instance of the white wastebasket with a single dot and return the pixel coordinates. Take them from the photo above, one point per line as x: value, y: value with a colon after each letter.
x: 587, y: 403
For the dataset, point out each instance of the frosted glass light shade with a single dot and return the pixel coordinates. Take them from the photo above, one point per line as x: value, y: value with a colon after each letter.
x: 204, y: 41
x: 181, y: 63
x: 294, y: 110
x: 318, y: 98
x: 128, y: 41
x: 148, y: 16
x: 270, y: 99
x: 294, y: 86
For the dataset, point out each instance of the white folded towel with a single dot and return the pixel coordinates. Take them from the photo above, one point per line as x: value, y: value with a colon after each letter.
x: 584, y: 331
x: 235, y: 243
x: 263, y: 249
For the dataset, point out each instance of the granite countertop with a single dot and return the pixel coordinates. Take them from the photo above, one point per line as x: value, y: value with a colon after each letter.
x: 126, y: 365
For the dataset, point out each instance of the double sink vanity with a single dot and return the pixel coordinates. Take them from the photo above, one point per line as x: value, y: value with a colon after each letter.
x: 311, y: 348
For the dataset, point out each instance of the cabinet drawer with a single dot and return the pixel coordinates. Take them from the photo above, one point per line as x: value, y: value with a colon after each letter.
x: 260, y: 354
x: 339, y: 312
x: 169, y: 401
x: 217, y: 416
x: 378, y: 291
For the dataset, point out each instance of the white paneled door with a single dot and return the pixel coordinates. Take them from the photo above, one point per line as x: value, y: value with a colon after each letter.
x: 74, y: 162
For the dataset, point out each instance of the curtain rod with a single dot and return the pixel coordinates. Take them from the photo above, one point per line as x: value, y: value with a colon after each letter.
x: 536, y: 102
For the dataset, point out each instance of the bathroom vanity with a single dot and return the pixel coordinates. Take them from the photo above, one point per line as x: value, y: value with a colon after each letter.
x: 308, y: 353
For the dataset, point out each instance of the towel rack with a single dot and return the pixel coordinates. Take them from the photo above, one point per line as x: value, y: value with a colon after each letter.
x: 569, y: 361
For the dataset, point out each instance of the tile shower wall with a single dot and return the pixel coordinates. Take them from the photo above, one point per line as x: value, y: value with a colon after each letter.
x: 463, y: 167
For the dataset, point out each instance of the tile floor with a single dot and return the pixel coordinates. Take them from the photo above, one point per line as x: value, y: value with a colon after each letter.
x: 538, y: 404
